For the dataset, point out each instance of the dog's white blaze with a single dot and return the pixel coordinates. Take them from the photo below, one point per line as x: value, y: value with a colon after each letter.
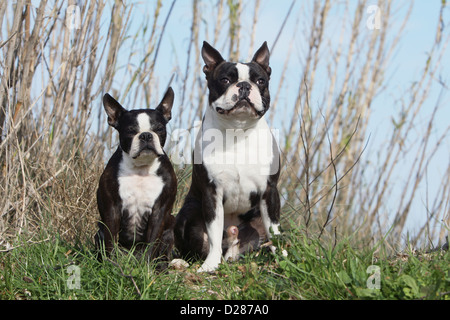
x: 139, y: 187
x: 243, y: 72
x: 144, y: 122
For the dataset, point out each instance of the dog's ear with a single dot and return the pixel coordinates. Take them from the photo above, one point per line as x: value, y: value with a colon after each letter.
x: 262, y: 56
x: 165, y: 106
x: 113, y: 109
x: 211, y: 57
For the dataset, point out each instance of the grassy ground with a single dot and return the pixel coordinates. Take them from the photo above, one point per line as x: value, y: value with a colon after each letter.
x: 45, y: 270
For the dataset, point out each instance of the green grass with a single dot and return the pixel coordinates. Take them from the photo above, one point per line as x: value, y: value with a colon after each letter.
x: 311, y: 271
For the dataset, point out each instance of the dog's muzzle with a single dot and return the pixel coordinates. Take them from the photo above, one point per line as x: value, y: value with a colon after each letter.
x: 244, y: 89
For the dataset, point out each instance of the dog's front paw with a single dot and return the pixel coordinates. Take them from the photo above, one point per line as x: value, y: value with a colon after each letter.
x: 273, y: 249
x: 208, y: 266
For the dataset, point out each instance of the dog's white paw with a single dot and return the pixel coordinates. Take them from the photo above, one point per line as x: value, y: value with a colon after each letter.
x: 273, y: 249
x: 208, y: 266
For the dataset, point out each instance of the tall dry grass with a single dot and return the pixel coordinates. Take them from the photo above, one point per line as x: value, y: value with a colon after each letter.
x: 54, y: 135
x: 51, y: 74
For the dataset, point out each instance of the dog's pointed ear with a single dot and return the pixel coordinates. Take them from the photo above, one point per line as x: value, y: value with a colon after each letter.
x: 165, y: 106
x: 113, y: 109
x: 262, y: 56
x: 211, y: 57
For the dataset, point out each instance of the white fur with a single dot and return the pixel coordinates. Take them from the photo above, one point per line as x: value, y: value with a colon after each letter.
x: 139, y: 187
x: 243, y: 72
x: 144, y: 122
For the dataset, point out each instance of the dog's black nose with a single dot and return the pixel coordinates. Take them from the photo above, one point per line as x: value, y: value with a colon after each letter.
x: 146, y: 136
x: 244, y: 89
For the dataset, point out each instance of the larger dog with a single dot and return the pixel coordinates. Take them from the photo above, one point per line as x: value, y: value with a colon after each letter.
x: 236, y: 165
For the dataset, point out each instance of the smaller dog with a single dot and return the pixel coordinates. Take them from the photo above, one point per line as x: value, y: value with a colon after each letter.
x: 138, y: 186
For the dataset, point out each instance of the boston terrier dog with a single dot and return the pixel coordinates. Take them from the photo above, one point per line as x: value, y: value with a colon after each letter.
x: 233, y: 203
x: 138, y: 186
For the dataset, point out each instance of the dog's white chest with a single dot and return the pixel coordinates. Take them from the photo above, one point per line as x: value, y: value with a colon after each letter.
x: 239, y: 163
x: 138, y: 189
x: 237, y: 184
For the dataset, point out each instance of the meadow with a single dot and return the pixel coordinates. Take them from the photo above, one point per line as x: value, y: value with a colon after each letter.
x: 56, y: 269
x: 344, y: 241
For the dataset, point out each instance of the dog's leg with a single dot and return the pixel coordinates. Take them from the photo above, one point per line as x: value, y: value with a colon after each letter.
x: 111, y: 235
x: 272, y: 227
x: 167, y: 238
x: 270, y: 210
x: 160, y: 219
x: 270, y: 214
x: 110, y: 227
x: 109, y: 213
x: 161, y: 240
x: 165, y: 245
x: 214, y: 218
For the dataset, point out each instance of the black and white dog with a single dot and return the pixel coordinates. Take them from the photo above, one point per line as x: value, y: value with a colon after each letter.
x: 138, y: 186
x: 233, y: 203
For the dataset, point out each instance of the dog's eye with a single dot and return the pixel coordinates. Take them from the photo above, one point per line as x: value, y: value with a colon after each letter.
x: 159, y: 130
x: 260, y: 82
x: 225, y: 81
